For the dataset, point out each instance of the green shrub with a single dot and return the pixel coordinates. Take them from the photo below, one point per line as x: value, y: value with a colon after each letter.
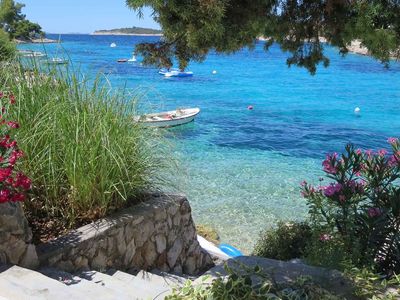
x: 84, y: 153
x: 360, y: 209
x: 7, y: 48
x: 285, y: 242
x: 251, y: 284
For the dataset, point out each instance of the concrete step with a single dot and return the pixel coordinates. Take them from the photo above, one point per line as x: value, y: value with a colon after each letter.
x: 92, y: 290
x: 137, y: 290
x: 162, y: 279
x: 18, y: 283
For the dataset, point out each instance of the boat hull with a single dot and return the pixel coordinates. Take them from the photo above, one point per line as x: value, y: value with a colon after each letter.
x: 151, y: 120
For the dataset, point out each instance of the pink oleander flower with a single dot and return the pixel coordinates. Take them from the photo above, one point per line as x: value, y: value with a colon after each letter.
x: 329, y: 164
x: 358, y: 151
x: 303, y: 183
x: 332, y: 189
x: 325, y: 237
x: 382, y: 152
x: 393, y: 140
x: 374, y: 212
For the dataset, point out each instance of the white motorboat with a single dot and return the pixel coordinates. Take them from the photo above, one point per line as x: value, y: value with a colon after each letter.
x: 57, y: 61
x: 171, y: 118
x: 175, y: 73
x: 132, y: 59
x: 30, y: 53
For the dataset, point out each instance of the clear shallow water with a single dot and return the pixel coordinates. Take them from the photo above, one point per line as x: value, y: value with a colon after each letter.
x: 241, y: 169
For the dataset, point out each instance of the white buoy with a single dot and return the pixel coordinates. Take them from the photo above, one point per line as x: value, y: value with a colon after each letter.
x: 357, y: 110
x: 214, y: 72
x: 113, y: 45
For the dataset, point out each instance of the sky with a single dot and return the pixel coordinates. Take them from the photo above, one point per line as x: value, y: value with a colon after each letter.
x: 84, y: 16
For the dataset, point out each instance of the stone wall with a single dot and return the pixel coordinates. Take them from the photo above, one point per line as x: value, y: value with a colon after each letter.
x: 158, y: 233
x: 15, y: 237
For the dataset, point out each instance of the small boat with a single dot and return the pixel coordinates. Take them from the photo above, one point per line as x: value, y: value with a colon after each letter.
x: 122, y: 60
x: 174, y: 73
x: 133, y: 59
x: 30, y: 53
x: 57, y: 61
x: 113, y: 45
x: 171, y: 118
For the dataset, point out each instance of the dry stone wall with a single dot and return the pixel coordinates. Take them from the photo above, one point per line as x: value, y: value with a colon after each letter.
x: 158, y: 233
x: 15, y: 237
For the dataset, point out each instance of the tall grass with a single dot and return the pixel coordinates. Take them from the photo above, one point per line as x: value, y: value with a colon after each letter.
x: 85, y: 155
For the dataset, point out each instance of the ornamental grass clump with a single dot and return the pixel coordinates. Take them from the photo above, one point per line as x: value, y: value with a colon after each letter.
x: 85, y: 155
x: 357, y: 214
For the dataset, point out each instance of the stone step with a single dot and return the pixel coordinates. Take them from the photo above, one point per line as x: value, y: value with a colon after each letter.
x: 162, y: 279
x: 136, y: 289
x: 83, y: 286
x: 17, y: 283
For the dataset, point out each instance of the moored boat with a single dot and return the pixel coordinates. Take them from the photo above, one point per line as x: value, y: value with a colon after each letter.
x: 174, y: 73
x: 30, y: 53
x: 132, y: 59
x: 122, y: 60
x: 171, y: 118
x: 57, y: 61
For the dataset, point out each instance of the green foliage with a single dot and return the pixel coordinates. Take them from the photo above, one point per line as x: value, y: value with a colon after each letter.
x: 84, y: 153
x: 193, y: 28
x: 14, y: 22
x: 7, y: 48
x: 359, y: 211
x: 250, y: 284
x: 370, y: 285
x: 285, y: 242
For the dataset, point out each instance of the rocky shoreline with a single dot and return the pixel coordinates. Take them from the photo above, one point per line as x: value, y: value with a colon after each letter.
x: 36, y: 41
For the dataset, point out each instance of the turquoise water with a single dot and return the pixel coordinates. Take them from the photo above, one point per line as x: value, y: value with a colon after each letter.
x: 241, y: 169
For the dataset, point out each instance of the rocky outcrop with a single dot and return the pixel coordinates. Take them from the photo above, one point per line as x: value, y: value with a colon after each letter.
x: 16, y: 237
x: 158, y: 233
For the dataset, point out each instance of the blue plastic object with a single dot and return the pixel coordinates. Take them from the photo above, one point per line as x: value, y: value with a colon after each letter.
x: 230, y: 250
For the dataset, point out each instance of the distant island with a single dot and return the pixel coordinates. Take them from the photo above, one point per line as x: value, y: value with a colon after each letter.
x: 129, y: 31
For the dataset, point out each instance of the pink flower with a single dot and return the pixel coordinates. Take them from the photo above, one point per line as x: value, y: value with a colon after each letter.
x: 358, y: 151
x: 329, y: 164
x: 374, y: 212
x: 325, y: 237
x: 382, y: 152
x: 393, y: 140
x: 5, y: 173
x: 332, y: 189
x: 13, y: 124
x: 4, y: 195
x: 303, y: 183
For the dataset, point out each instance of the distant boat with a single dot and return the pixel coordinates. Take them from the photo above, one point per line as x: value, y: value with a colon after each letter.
x: 169, y: 118
x: 174, y: 73
x: 113, y: 45
x: 30, y: 53
x: 57, y: 61
x: 132, y: 59
x: 122, y: 60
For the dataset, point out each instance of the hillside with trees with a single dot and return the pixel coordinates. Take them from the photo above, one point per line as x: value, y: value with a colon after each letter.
x: 129, y: 31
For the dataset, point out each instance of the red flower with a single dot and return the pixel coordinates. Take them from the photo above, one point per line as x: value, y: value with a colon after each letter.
x: 4, y: 195
x: 22, y: 181
x: 12, y: 99
x: 13, y: 124
x: 5, y: 173
x: 18, y: 197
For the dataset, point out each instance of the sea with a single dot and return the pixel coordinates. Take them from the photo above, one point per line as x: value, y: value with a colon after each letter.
x: 241, y: 169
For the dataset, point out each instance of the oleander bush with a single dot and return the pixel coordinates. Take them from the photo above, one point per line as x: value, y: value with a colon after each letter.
x: 13, y: 183
x: 284, y: 242
x: 357, y: 214
x: 85, y: 155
